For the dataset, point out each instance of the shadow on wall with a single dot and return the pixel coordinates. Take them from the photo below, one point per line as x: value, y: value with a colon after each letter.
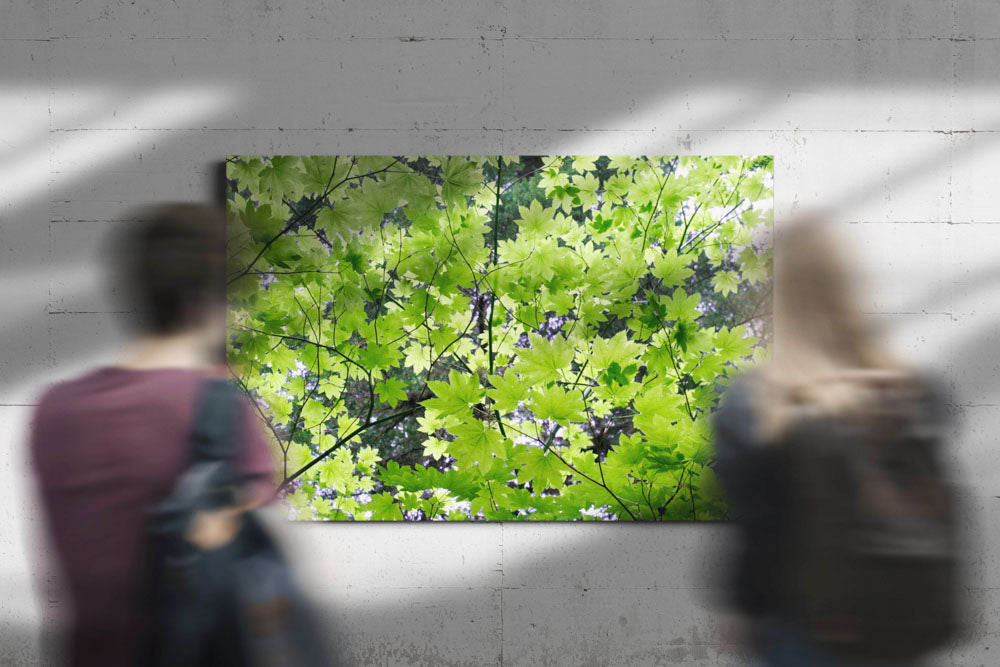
x: 518, y: 591
x: 642, y: 599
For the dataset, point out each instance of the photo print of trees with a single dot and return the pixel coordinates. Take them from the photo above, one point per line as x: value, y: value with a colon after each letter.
x: 456, y: 338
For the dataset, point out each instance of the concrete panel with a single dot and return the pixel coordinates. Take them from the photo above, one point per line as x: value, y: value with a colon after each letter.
x: 900, y: 267
x: 865, y: 176
x: 717, y: 20
x: 635, y: 626
x: 79, y: 280
x: 110, y: 195
x: 980, y: 532
x: 591, y: 556
x: 729, y: 85
x: 402, y: 557
x: 974, y: 183
x: 712, y: 20
x: 975, y: 454
x: 24, y: 20
x: 921, y: 339
x: 180, y: 152
x: 977, y: 83
x: 82, y: 340
x: 291, y: 84
x: 262, y: 22
x: 22, y: 543
x: 448, y: 627
x: 976, y: 19
x: 24, y: 162
x: 975, y: 272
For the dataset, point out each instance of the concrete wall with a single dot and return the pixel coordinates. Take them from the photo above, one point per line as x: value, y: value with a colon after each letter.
x: 886, y: 110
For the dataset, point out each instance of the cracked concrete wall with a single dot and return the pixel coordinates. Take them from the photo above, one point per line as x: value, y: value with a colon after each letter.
x: 886, y: 110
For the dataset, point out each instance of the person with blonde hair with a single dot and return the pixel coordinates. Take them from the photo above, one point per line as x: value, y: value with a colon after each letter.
x: 830, y: 456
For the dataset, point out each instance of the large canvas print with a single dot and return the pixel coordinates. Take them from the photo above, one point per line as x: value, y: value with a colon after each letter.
x: 454, y: 338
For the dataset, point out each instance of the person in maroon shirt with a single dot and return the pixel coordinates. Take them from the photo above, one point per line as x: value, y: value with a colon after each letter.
x: 109, y: 445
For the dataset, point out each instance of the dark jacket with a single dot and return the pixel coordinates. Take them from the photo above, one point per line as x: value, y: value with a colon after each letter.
x: 756, y: 479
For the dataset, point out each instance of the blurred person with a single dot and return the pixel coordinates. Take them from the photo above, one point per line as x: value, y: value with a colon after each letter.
x: 830, y: 456
x: 110, y: 445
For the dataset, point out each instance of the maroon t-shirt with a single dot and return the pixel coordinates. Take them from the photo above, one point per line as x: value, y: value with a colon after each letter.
x: 106, y: 448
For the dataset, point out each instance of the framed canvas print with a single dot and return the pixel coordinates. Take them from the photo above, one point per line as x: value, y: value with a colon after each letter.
x: 455, y: 338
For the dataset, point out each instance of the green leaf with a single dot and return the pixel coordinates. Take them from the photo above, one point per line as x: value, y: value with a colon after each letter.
x: 245, y: 171
x: 683, y: 307
x: 262, y: 224
x: 455, y: 396
x: 282, y: 359
x: 282, y: 178
x: 584, y: 163
x: 508, y: 391
x: 337, y: 471
x: 753, y: 266
x: 541, y: 468
x: 367, y: 458
x: 683, y: 331
x: 322, y: 172
x: 475, y: 442
x: 391, y: 391
x: 615, y: 374
x: 733, y: 343
x: 384, y: 508
x: 379, y: 357
x: 618, y: 348
x: 314, y: 412
x: 536, y: 221
x: 726, y: 282
x: 556, y: 404
x: 435, y: 447
x: 460, y: 178
x: 545, y: 360
x: 671, y: 268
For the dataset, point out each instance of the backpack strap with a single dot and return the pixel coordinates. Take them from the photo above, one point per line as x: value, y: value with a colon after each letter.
x: 213, y: 442
x: 213, y: 437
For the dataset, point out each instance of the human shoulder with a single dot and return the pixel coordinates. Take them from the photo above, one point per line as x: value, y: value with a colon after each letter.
x: 736, y: 418
x: 932, y: 396
x: 62, y: 393
x: 59, y: 409
x: 738, y: 398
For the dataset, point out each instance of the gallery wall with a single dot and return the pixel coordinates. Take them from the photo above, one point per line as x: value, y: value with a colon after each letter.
x: 883, y: 111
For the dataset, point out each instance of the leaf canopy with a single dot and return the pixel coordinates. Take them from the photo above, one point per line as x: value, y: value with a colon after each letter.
x: 496, y: 338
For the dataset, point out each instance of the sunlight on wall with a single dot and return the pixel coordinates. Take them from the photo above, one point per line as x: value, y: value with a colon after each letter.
x: 28, y: 174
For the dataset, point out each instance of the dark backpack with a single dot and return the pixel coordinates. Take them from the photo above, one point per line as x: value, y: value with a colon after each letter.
x: 873, y: 555
x: 233, y: 606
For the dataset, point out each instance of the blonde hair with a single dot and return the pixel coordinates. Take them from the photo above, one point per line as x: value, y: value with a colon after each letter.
x: 826, y: 357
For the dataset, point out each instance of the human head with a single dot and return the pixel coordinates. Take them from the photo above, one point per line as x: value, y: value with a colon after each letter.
x: 817, y: 315
x: 170, y: 264
x: 821, y: 335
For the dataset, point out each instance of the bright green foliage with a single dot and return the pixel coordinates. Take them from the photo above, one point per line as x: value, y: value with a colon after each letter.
x: 391, y: 391
x: 499, y: 338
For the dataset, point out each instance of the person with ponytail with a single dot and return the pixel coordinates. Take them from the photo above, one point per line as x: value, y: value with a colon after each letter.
x: 830, y: 456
